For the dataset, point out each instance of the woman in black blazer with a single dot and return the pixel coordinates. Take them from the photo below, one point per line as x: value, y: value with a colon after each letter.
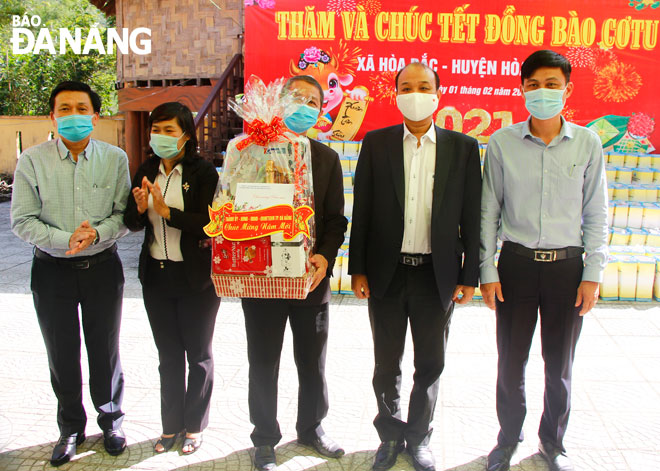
x: 171, y: 194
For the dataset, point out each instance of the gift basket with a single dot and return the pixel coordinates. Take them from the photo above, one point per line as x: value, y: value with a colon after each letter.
x: 262, y: 220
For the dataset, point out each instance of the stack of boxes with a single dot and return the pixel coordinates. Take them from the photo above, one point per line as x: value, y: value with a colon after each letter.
x: 348, y: 152
x: 633, y: 272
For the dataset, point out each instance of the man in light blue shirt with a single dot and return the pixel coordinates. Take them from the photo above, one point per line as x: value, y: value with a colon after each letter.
x: 68, y: 200
x: 545, y: 197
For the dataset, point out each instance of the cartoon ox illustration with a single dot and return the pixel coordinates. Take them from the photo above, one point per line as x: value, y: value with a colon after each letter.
x: 325, y: 69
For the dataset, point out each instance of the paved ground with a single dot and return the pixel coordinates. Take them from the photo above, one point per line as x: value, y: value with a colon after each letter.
x: 615, y: 425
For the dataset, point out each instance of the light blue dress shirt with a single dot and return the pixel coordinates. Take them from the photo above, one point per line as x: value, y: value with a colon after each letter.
x: 545, y: 196
x: 52, y: 195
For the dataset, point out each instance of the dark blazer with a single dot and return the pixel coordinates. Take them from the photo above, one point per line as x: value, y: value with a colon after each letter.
x: 201, y: 178
x: 378, y: 211
x: 328, y: 213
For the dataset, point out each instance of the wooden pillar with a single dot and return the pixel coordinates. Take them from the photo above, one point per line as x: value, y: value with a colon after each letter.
x: 136, y: 138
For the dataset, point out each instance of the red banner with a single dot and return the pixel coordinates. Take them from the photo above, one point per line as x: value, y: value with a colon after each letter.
x: 355, y: 47
x: 248, y: 225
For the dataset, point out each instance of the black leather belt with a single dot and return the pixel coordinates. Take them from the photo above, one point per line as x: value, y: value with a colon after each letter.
x: 543, y: 255
x: 415, y: 260
x: 78, y: 263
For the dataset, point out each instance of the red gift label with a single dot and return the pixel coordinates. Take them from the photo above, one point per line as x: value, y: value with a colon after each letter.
x: 248, y: 225
x: 242, y: 257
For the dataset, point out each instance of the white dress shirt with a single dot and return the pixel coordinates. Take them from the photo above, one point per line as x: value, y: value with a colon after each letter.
x: 419, y: 172
x: 166, y: 244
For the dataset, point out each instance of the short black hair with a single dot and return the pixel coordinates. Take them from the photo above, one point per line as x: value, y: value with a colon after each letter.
x: 184, y: 118
x: 419, y: 64
x: 73, y: 86
x: 545, y: 58
x: 305, y: 78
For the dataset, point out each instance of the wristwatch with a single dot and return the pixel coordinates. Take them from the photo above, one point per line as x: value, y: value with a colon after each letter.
x: 96, y: 239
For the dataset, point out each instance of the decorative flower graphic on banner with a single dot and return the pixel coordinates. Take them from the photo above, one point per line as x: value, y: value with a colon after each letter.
x: 641, y: 4
x: 617, y: 82
x: 383, y: 86
x: 371, y: 7
x: 641, y: 125
x: 602, y: 58
x: 581, y: 56
x: 313, y: 56
x: 341, y: 5
x: 269, y: 4
x: 347, y: 57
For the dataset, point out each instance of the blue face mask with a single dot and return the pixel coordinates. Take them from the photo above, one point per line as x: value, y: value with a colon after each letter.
x: 164, y: 146
x: 544, y: 103
x: 75, y: 127
x: 302, y: 119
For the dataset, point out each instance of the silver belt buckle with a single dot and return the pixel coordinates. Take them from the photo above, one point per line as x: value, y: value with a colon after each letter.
x: 81, y: 265
x: 545, y: 255
x: 409, y: 260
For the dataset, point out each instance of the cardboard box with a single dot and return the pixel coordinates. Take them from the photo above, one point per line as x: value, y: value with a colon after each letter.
x: 645, y: 278
x: 288, y: 256
x: 609, y: 288
x: 627, y: 278
x: 248, y: 257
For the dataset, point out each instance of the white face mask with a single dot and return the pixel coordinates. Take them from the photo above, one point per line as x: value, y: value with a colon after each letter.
x: 544, y: 103
x: 417, y: 106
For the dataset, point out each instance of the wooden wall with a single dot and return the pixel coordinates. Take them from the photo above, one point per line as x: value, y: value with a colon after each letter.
x: 189, y: 38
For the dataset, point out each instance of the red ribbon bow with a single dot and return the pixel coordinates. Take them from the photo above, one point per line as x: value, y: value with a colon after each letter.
x: 261, y: 133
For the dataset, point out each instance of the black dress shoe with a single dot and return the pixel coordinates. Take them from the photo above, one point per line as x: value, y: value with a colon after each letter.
x: 65, y: 448
x: 114, y: 441
x: 556, y: 457
x: 499, y: 459
x: 386, y: 455
x: 324, y: 445
x: 264, y: 458
x: 422, y: 457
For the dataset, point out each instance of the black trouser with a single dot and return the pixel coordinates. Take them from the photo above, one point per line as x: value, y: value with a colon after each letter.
x: 58, y: 290
x: 530, y: 287
x: 411, y: 297
x: 182, y: 321
x: 265, y: 322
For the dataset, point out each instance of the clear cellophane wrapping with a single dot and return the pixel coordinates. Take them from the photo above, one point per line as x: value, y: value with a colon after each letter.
x: 266, y: 153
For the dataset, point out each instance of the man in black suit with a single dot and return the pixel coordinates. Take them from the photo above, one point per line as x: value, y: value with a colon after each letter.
x: 414, y: 252
x: 265, y: 319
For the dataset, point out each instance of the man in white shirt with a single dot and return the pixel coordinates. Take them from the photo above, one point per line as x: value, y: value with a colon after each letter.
x: 414, y: 252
